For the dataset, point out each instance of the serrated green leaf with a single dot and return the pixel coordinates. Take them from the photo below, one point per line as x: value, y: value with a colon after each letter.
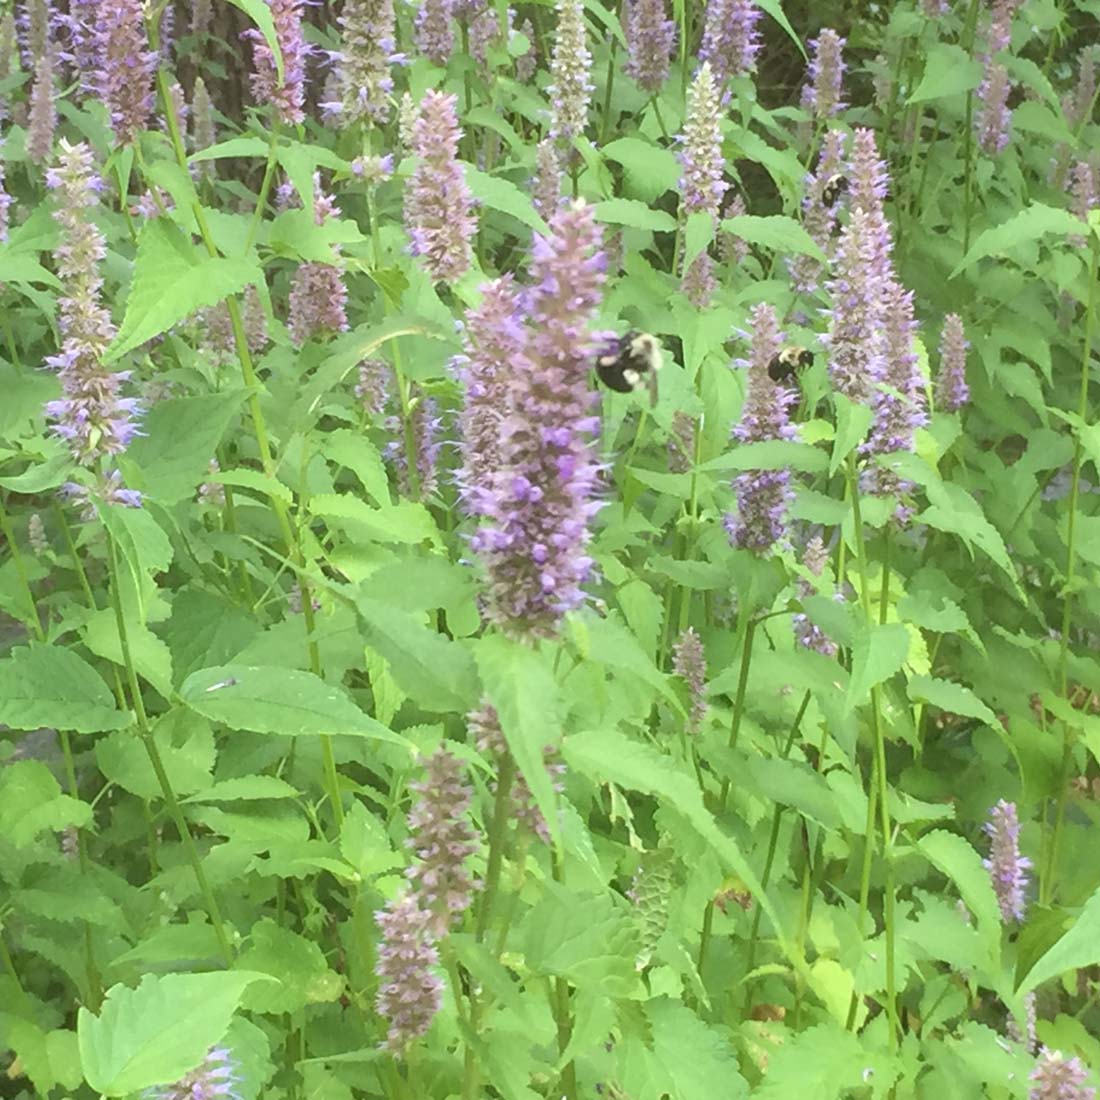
x: 769, y: 454
x: 31, y: 802
x: 878, y: 651
x: 953, y: 698
x: 43, y: 685
x: 503, y: 195
x: 634, y: 214
x: 298, y: 965
x: 775, y: 232
x: 156, y: 1033
x: 1031, y: 224
x: 650, y: 169
x: 15, y: 268
x: 948, y: 70
x: 172, y: 279
x: 245, y: 789
x: 283, y: 701
x: 960, y: 863
x: 1078, y: 947
x: 521, y: 688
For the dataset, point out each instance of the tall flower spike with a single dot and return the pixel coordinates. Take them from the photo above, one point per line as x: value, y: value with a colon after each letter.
x: 1007, y: 868
x: 689, y: 662
x: 731, y: 40
x: 287, y: 96
x: 527, y: 63
x: 819, y: 218
x: 570, y: 71
x: 863, y: 273
x: 43, y: 114
x: 898, y: 403
x: 434, y: 33
x: 7, y: 56
x: 201, y: 12
x: 34, y: 28
x: 546, y: 192
x: 215, y: 1078
x: 763, y: 496
x: 807, y: 633
x: 125, y: 67
x: 993, y: 119
x: 90, y: 415
x: 425, y: 423
x: 952, y: 392
x: 651, y: 38
x: 373, y: 386
x: 484, y: 31
x: 1083, y: 186
x: 821, y: 94
x: 203, y: 132
x: 5, y: 204
x: 318, y: 300
x: 495, y: 341
x: 410, y: 993
x: 540, y: 502
x: 702, y: 185
x: 1057, y: 1077
x: 441, y: 837
x: 438, y: 204
x: 732, y: 249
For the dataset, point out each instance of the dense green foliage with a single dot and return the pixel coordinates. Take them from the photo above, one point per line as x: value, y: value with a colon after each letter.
x: 761, y: 879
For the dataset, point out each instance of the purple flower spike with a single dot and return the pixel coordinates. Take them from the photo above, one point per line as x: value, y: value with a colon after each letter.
x: 540, y: 502
x: 434, y: 34
x: 318, y: 300
x: 821, y: 94
x: 90, y: 415
x: 1057, y: 1077
x: 546, y: 189
x: 43, y: 112
x: 571, y: 86
x: 651, y: 38
x: 808, y: 633
x: 1006, y: 867
x: 286, y: 97
x: 203, y: 132
x: 410, y: 993
x: 125, y: 67
x: 702, y: 185
x: 1083, y: 186
x: 438, y: 205
x: 731, y: 40
x: 443, y: 840
x: 763, y: 496
x: 363, y: 66
x: 689, y: 662
x: 216, y: 1078
x: 495, y: 342
x: 993, y: 119
x: 5, y: 206
x: 819, y: 218
x: 952, y: 391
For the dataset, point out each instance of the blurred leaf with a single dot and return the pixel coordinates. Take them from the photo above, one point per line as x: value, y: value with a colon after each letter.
x: 31, y: 802
x: 298, y: 964
x: 953, y: 698
x: 878, y: 651
x: 282, y: 701
x: 948, y: 70
x: 774, y: 232
x: 1079, y: 947
x: 650, y: 169
x: 156, y: 1033
x: 503, y: 195
x: 186, y: 746
x: 43, y: 685
x: 1031, y: 224
x: 634, y: 214
x: 172, y: 279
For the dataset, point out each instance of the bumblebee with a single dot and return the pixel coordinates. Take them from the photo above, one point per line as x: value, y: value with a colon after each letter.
x: 783, y: 366
x: 834, y: 187
x: 631, y: 363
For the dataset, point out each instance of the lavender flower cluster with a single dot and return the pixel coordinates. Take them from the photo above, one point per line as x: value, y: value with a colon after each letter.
x: 287, y: 96
x: 1007, y: 868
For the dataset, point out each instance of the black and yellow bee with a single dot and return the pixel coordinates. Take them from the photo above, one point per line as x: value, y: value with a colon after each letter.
x: 834, y: 187
x: 783, y: 366
x: 631, y: 363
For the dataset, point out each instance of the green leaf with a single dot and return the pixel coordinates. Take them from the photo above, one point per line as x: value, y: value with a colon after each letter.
x: 282, y: 701
x: 252, y: 479
x: 518, y: 683
x: 15, y: 268
x: 635, y: 214
x: 1079, y: 947
x: 960, y: 863
x: 151, y: 657
x: 699, y: 1062
x: 156, y: 1033
x: 438, y: 673
x: 878, y: 652
x: 852, y: 423
x: 172, y: 279
x: 948, y: 70
x: 953, y: 698
x: 185, y: 742
x: 245, y: 789
x: 180, y: 436
x: 355, y: 452
x: 31, y: 802
x: 793, y: 783
x: 650, y: 169
x: 1031, y: 224
x: 775, y: 232
x: 43, y: 685
x: 698, y: 234
x: 234, y: 147
x: 298, y: 965
x: 616, y: 648
x: 503, y: 195
x: 407, y: 522
x: 586, y: 939
x: 770, y: 454
x: 607, y: 756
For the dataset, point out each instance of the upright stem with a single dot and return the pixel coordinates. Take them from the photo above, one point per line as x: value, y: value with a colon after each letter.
x: 169, y: 795
x: 968, y: 127
x: 21, y: 572
x: 498, y: 833
x: 265, y: 185
x: 563, y: 1017
x: 1047, y: 878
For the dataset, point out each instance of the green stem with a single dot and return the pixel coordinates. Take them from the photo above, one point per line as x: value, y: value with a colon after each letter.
x: 605, y: 123
x: 1047, y: 879
x: 265, y: 186
x: 968, y: 129
x: 563, y: 1016
x: 21, y: 572
x: 739, y: 700
x: 170, y: 800
x: 498, y: 836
